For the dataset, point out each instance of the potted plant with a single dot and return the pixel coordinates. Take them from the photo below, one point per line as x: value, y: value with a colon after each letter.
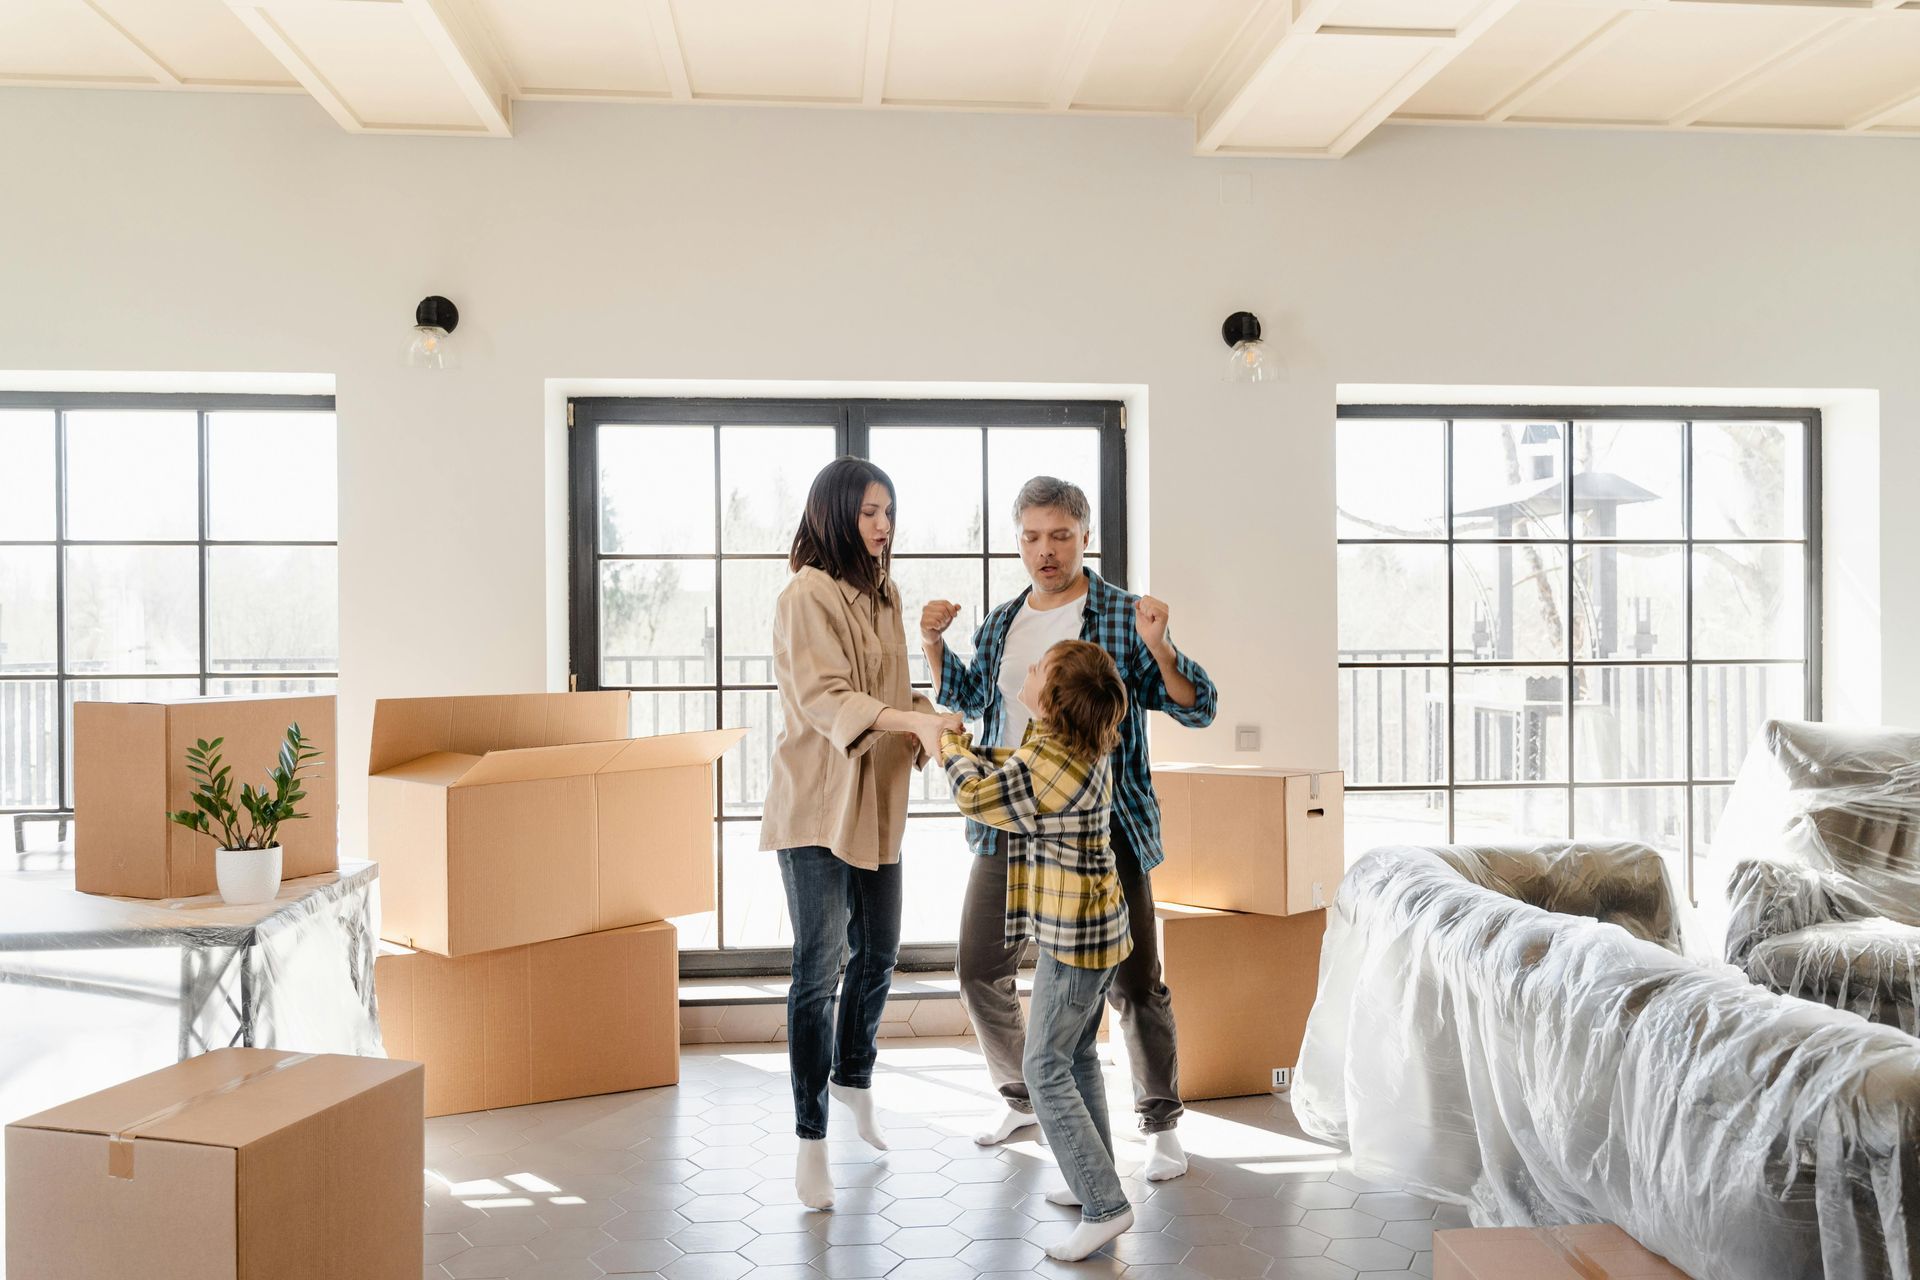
x: 247, y: 861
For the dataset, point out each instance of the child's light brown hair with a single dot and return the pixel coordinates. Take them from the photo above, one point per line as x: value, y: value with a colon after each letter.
x: 1085, y: 699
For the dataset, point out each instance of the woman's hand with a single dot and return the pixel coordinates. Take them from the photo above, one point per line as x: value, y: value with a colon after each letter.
x: 928, y: 728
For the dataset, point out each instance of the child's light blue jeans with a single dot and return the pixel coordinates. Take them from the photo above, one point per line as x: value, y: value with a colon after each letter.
x: 1064, y: 1081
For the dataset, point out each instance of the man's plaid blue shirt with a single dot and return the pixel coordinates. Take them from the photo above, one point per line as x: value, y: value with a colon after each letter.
x: 973, y: 689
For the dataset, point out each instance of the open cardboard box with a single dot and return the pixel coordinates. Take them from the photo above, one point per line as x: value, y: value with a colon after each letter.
x: 130, y: 771
x: 598, y: 1013
x: 501, y: 821
x: 1266, y: 841
x: 240, y: 1164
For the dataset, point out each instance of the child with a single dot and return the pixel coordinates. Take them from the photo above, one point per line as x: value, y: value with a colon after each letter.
x: 1054, y: 797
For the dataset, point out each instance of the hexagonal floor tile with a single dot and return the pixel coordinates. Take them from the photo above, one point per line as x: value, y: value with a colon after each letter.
x: 708, y: 1266
x: 855, y: 1228
x: 1266, y: 1213
x: 921, y: 1213
x: 1310, y: 1269
x: 1318, y: 1195
x: 1212, y: 1228
x: 635, y: 1255
x: 645, y: 1224
x: 1342, y: 1223
x: 927, y: 1242
x: 856, y: 1261
x: 1395, y: 1206
x: 1370, y: 1255
x: 1001, y: 1255
x: 1182, y: 1200
x: 793, y: 1247
x: 1287, y: 1242
x: 489, y: 1262
x: 712, y: 1237
x: 988, y: 1224
x: 574, y: 1242
x: 1417, y: 1236
x: 1227, y: 1261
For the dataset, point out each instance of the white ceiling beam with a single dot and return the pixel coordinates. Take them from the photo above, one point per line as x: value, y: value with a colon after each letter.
x: 1884, y: 112
x: 270, y: 34
x: 666, y: 40
x: 477, y: 75
x: 1774, y: 63
x: 873, y: 82
x: 160, y: 71
x: 1423, y: 72
x: 1561, y: 67
x: 1272, y: 37
x: 1080, y: 51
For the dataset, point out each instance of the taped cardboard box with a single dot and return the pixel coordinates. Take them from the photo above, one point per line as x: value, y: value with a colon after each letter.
x: 1266, y: 841
x: 130, y: 771
x: 503, y: 821
x: 1242, y: 987
x: 240, y: 1164
x: 599, y: 1013
x: 1583, y: 1251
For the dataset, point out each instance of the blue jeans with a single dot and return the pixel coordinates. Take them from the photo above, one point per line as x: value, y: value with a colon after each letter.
x: 840, y: 914
x: 1064, y: 1081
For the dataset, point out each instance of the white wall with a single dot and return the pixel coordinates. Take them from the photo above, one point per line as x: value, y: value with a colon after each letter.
x: 184, y: 232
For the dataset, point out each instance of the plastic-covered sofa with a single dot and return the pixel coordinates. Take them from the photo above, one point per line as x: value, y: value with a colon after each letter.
x: 1820, y: 845
x: 1543, y: 1067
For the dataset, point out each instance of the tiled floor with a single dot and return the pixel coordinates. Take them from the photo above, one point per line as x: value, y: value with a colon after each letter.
x: 695, y: 1183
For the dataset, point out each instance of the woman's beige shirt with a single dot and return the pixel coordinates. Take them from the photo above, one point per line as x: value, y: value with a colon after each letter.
x: 839, y: 658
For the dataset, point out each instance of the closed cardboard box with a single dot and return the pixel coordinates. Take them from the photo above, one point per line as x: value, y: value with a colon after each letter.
x: 241, y: 1164
x: 1585, y: 1251
x: 599, y: 1013
x: 130, y: 771
x: 1242, y: 987
x: 1268, y: 841
x: 502, y: 821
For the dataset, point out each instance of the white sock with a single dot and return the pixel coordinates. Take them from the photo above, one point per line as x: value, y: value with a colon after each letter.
x: 1088, y: 1237
x: 1166, y: 1158
x: 1004, y: 1126
x: 811, y: 1179
x: 1065, y: 1199
x: 860, y: 1102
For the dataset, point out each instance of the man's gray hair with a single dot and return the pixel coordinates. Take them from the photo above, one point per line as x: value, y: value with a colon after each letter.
x: 1050, y: 491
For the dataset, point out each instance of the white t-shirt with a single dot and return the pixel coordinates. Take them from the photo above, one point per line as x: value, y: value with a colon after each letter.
x: 1032, y: 633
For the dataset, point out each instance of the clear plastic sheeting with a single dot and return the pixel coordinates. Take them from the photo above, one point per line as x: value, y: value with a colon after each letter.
x: 163, y: 980
x: 1544, y: 1068
x: 1814, y: 884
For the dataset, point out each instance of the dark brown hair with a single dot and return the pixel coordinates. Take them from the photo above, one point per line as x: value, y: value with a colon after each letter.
x: 828, y: 538
x: 1085, y: 699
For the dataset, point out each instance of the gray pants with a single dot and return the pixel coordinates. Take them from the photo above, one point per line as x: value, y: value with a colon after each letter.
x: 987, y: 966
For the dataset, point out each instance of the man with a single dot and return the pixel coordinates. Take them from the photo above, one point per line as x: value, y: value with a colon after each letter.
x: 1069, y: 601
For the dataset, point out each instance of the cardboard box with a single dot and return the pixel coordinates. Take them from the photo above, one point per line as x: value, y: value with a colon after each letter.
x: 501, y: 821
x: 1267, y: 841
x: 241, y: 1164
x: 130, y: 771
x: 1242, y: 987
x: 1585, y: 1251
x: 599, y: 1013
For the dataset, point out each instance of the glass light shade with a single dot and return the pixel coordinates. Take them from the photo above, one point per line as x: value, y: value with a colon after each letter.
x: 1251, y: 361
x: 430, y: 347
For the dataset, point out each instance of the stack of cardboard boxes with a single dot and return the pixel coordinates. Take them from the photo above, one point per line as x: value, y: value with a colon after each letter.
x: 1253, y: 858
x: 530, y: 855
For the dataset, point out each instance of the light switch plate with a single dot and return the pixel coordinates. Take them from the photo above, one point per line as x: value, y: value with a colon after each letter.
x: 1246, y: 737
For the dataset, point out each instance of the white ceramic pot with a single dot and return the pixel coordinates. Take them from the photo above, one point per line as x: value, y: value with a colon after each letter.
x: 247, y: 875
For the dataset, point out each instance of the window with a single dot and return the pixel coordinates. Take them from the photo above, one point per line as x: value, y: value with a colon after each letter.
x: 683, y: 514
x: 157, y: 546
x: 1510, y: 671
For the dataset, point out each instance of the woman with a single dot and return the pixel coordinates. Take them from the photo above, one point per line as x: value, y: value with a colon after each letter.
x: 837, y: 799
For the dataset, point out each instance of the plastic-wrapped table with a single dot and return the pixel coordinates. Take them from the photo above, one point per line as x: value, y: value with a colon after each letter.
x: 295, y: 973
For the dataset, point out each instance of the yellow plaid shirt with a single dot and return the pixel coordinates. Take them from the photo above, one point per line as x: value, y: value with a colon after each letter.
x: 1062, y: 890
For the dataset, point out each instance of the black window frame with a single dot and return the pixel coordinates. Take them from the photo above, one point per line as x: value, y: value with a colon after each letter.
x: 853, y: 420
x: 1566, y: 416
x: 203, y: 405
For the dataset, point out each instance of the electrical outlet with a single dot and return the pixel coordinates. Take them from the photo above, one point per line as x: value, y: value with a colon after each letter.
x: 1282, y: 1078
